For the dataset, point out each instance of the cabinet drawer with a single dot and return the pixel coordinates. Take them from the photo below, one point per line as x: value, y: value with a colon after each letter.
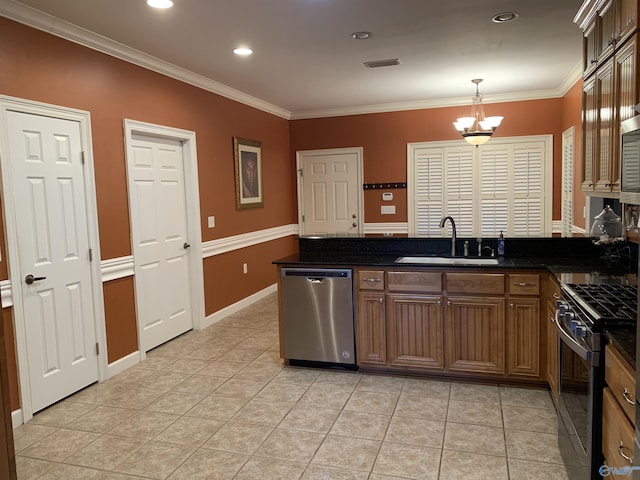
x: 414, y: 281
x: 371, y: 279
x: 621, y: 381
x: 617, y: 433
x: 524, y: 284
x: 475, y: 283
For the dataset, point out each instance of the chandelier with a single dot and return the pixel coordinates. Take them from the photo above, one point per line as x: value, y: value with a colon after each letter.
x: 477, y: 129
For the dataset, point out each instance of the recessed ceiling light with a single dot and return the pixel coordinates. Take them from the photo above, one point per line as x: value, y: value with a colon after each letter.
x: 160, y: 3
x: 361, y: 35
x: 243, y: 51
x: 504, y: 17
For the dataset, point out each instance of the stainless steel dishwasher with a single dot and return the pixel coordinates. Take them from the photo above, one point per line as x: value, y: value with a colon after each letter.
x: 317, y: 315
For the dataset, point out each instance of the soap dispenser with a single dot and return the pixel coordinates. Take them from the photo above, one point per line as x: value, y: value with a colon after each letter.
x: 501, y: 245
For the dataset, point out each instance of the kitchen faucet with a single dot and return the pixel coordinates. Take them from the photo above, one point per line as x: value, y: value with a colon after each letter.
x: 453, y: 233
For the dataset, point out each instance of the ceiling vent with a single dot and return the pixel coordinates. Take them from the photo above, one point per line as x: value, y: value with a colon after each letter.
x: 382, y: 63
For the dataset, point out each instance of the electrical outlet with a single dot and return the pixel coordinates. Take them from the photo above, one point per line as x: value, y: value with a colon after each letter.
x: 244, y: 268
x: 212, y: 221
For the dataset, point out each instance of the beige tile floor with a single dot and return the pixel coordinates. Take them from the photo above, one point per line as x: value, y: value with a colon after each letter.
x: 219, y: 404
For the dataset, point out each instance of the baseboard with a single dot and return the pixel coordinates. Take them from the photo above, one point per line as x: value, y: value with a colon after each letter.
x: 231, y: 309
x: 122, y: 364
x: 16, y: 418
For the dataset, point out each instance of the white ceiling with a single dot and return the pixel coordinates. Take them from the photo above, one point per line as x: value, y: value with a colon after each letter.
x: 305, y: 62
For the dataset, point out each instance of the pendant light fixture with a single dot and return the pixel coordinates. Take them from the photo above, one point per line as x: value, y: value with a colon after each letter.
x: 477, y: 129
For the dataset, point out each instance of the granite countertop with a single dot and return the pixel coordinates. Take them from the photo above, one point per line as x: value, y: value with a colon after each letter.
x: 624, y: 339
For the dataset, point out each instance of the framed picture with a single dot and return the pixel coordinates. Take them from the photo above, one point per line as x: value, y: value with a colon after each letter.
x: 248, y: 167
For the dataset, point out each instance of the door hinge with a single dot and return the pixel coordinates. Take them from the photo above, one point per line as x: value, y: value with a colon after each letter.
x: 82, y: 157
x: 91, y: 255
x: 97, y: 348
x: 301, y: 172
x: 303, y: 218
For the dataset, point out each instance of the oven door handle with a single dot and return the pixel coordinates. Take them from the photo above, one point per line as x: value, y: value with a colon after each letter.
x: 581, y: 351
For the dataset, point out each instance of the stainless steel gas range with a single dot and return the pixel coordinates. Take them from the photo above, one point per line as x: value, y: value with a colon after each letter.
x: 583, y: 313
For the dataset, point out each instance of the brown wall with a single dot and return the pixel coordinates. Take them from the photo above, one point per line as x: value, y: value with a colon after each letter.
x: 384, y: 138
x: 37, y: 66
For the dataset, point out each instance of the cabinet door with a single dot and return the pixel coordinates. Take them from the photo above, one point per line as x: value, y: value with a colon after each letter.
x: 589, y: 134
x: 627, y: 19
x: 371, y: 331
x: 552, y: 349
x: 590, y: 45
x: 617, y: 433
x: 626, y: 77
x: 608, y: 25
x: 475, y: 334
x: 523, y: 337
x: 605, y: 105
x: 416, y: 333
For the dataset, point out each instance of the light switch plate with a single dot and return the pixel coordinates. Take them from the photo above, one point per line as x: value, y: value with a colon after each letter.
x: 388, y: 209
x: 212, y: 222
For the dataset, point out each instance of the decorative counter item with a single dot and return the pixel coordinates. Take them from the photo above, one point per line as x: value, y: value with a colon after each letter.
x: 607, y: 232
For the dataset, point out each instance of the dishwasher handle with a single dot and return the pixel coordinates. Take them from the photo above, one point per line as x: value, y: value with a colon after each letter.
x: 315, y: 279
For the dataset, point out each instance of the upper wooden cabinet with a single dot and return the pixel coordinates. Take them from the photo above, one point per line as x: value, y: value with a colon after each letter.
x: 610, y: 91
x: 606, y: 25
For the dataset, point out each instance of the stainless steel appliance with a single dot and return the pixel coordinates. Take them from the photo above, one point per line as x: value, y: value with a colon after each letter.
x: 582, y: 314
x: 630, y: 160
x: 317, y: 315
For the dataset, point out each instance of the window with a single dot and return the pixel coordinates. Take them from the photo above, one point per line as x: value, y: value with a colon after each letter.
x: 505, y: 185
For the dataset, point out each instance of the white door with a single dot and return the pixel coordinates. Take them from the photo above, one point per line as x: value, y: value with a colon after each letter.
x: 329, y: 189
x: 46, y: 165
x: 160, y: 244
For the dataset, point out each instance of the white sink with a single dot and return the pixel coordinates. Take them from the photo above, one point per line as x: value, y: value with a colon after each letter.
x: 448, y: 260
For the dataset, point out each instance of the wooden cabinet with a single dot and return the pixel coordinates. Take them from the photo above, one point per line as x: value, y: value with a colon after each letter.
x: 371, y: 324
x: 621, y: 381
x: 475, y: 323
x: 475, y: 334
x: 610, y: 90
x: 444, y: 321
x: 415, y: 331
x: 523, y: 337
x: 7, y: 455
x: 618, y: 411
x: 550, y: 294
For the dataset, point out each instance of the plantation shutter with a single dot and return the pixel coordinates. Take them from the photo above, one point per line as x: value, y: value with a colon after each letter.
x: 497, y: 187
x: 429, y: 181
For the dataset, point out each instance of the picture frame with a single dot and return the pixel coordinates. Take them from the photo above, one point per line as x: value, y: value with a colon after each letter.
x: 248, y: 169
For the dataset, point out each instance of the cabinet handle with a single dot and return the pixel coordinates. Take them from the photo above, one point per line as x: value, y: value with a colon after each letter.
x: 512, y: 305
x: 372, y: 280
x: 594, y: 61
x: 523, y: 284
x: 551, y: 319
x: 556, y: 296
x: 626, y: 457
x: 380, y: 300
x: 611, y: 42
x: 438, y: 302
x: 449, y: 303
x: 625, y: 395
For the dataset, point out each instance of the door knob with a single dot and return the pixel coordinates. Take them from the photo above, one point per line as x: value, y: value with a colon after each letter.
x: 353, y: 216
x: 354, y: 224
x: 186, y: 245
x: 29, y: 279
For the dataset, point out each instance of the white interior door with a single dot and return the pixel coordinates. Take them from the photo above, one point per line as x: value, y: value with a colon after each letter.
x: 329, y: 191
x: 57, y: 302
x: 160, y: 244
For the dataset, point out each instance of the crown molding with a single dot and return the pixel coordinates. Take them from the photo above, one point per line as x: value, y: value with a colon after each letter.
x: 440, y: 102
x: 42, y: 21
